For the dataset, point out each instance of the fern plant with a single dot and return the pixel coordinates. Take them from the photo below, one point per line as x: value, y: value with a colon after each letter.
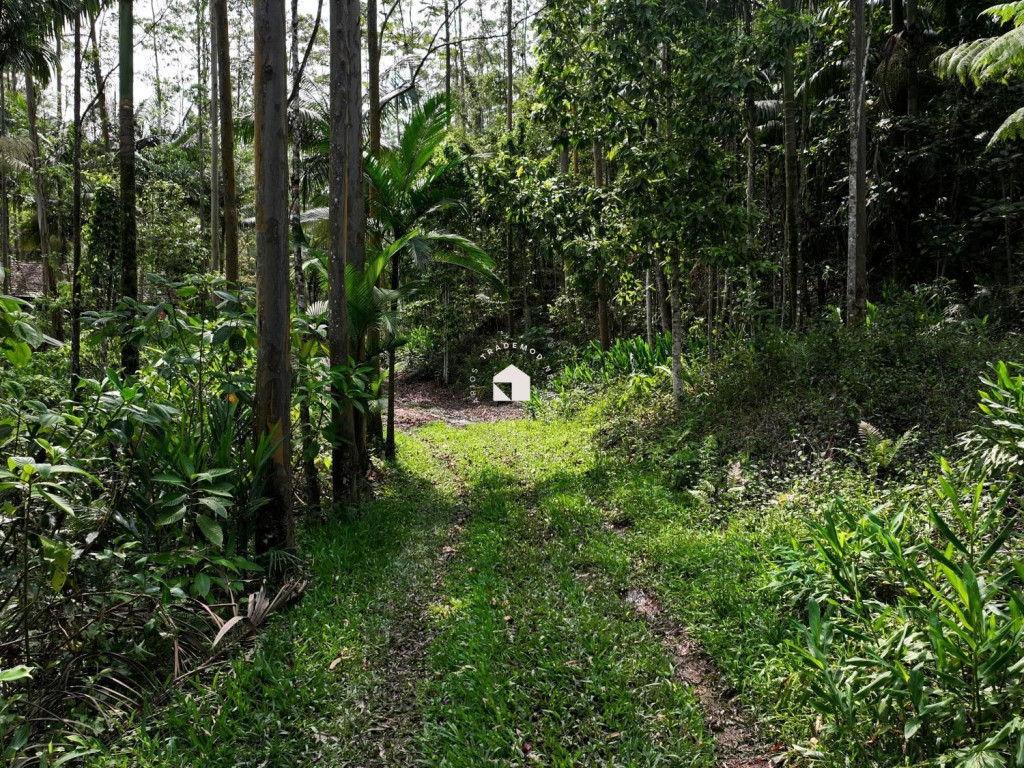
x: 880, y: 453
x: 992, y: 58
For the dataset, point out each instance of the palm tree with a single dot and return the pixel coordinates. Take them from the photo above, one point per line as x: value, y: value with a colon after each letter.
x: 408, y: 187
x: 992, y: 58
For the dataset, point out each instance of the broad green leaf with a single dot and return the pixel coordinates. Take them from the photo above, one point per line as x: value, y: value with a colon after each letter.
x: 211, y: 530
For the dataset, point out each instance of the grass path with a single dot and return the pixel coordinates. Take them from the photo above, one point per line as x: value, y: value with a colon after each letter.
x: 477, y: 613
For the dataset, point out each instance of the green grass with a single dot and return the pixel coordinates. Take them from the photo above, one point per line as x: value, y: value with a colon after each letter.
x: 538, y: 657
x: 282, y: 704
x: 487, y: 552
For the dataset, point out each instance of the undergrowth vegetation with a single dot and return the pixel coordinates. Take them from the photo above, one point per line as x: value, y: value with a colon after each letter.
x: 126, y: 516
x: 863, y: 594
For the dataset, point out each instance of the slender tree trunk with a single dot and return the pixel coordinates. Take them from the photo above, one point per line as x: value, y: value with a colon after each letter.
x: 648, y: 308
x: 913, y: 35
x: 750, y: 139
x: 200, y: 88
x: 215, y: 265
x: 348, y: 224
x: 389, y: 443
x: 509, y: 65
x: 5, y: 210
x: 375, y: 426
x: 896, y: 14
x: 603, y: 320
x: 311, y: 478
x: 296, y: 171
x: 59, y: 72
x: 101, y: 88
x: 272, y: 407
x: 447, y: 55
x: 792, y: 182
x: 76, y: 220
x: 227, y: 145
x: 856, y: 256
x: 675, y: 301
x: 42, y: 219
x: 664, y: 305
x: 710, y: 324
x: 126, y: 153
x: 158, y: 86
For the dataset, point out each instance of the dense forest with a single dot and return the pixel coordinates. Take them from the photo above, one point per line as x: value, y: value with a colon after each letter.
x: 750, y: 269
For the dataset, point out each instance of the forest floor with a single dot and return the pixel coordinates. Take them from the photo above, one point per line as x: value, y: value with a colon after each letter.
x: 494, y: 605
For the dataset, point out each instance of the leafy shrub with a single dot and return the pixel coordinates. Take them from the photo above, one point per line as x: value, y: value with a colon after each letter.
x: 915, y: 625
x: 125, y: 513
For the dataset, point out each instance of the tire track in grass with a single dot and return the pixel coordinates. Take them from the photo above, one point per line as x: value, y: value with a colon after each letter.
x: 333, y: 679
x: 389, y: 720
x: 737, y: 742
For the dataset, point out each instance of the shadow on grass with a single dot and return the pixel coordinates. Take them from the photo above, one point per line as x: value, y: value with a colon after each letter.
x: 308, y: 690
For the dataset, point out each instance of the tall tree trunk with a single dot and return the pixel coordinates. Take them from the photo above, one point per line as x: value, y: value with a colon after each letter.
x: 311, y: 478
x: 39, y: 184
x: 375, y: 426
x: 227, y: 145
x: 272, y: 407
x: 648, y: 308
x: 675, y: 301
x: 856, y: 254
x: 389, y: 442
x: 664, y: 303
x: 215, y: 265
x: 896, y: 14
x: 603, y: 321
x: 509, y: 65
x: 447, y: 55
x: 750, y: 139
x: 158, y: 86
x: 101, y: 87
x: 348, y: 226
x: 76, y: 220
x: 126, y: 153
x: 5, y: 209
x: 792, y: 182
x: 913, y: 36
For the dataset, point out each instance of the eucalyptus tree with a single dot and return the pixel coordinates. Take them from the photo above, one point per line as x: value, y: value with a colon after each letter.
x: 347, y: 230
x: 792, y: 235
x: 856, y: 258
x: 126, y: 156
x: 310, y: 447
x: 41, y: 193
x: 227, y: 140
x: 273, y: 392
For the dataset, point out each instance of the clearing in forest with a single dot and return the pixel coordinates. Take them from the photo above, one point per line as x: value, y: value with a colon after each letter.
x: 483, y: 610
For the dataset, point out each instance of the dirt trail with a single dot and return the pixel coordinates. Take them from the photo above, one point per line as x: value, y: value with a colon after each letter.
x: 390, y: 739
x: 737, y: 743
x: 392, y: 715
x: 422, y: 402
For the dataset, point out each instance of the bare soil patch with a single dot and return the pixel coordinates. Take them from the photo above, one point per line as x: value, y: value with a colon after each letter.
x: 423, y: 402
x: 737, y: 742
